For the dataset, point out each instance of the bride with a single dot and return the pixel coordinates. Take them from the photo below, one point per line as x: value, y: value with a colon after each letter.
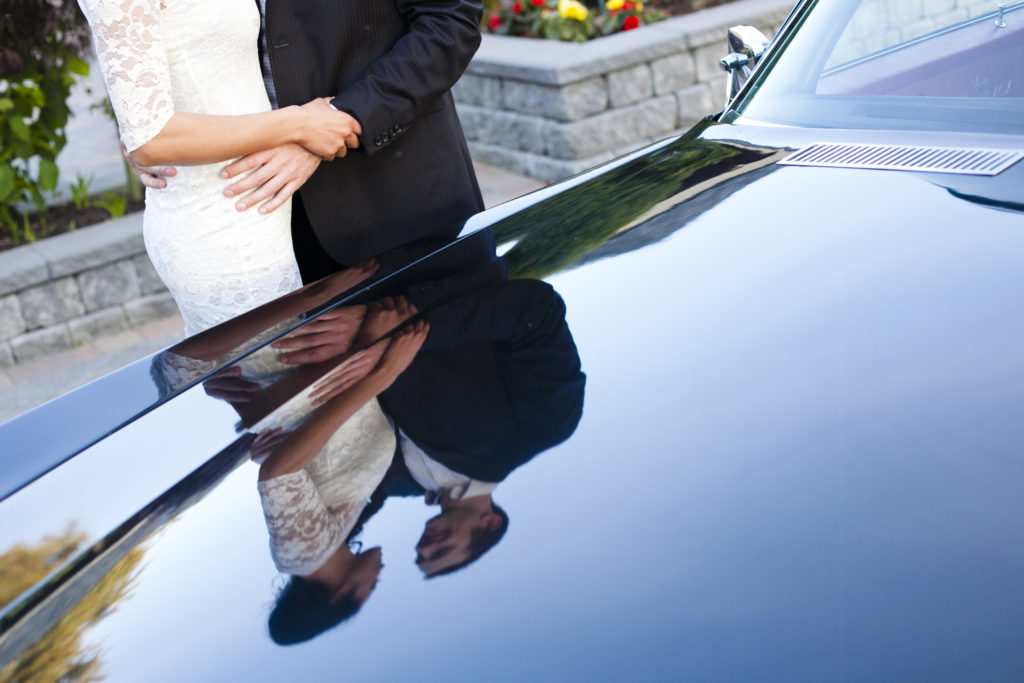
x: 185, y: 83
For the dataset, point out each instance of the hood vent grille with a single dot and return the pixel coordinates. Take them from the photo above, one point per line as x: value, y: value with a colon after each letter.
x: 963, y: 160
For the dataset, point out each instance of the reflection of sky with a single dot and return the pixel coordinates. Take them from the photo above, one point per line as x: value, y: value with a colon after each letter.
x: 123, y: 472
x: 798, y: 460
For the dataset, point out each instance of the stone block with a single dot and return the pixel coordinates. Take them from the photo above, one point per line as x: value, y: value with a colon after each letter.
x: 484, y: 91
x: 149, y: 281
x: 11, y: 321
x: 933, y: 7
x: 109, y: 286
x: 39, y: 343
x: 904, y: 12
x: 50, y: 303
x: 707, y: 61
x: 695, y: 103
x: 102, y: 323
x: 611, y: 130
x: 6, y: 356
x: 101, y: 244
x: 567, y: 103
x: 673, y: 73
x: 22, y: 267
x: 628, y: 86
x: 150, y: 308
x: 508, y: 129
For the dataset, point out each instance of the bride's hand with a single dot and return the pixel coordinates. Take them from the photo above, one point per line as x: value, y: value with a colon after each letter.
x: 329, y: 133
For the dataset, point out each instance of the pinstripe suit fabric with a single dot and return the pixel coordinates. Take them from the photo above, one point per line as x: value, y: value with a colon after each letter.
x: 389, y: 63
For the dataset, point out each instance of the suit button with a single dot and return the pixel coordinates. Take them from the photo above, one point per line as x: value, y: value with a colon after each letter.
x: 398, y: 129
x: 386, y: 138
x: 378, y: 141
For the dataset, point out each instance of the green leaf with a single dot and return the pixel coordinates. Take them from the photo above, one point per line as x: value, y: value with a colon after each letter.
x: 6, y: 104
x: 6, y: 182
x: 48, y: 175
x: 77, y: 66
x: 19, y: 128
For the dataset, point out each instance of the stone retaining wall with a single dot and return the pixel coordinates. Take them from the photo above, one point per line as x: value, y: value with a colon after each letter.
x: 71, y: 289
x: 549, y: 109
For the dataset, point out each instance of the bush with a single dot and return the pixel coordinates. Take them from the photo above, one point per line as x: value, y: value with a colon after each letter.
x: 41, y: 45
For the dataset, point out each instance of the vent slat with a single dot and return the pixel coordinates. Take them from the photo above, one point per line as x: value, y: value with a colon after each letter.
x: 965, y: 160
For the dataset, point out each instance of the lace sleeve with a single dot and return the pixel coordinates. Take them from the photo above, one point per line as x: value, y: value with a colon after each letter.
x: 134, y: 65
x: 303, y: 533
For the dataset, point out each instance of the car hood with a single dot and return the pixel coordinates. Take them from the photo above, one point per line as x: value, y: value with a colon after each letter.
x: 798, y: 455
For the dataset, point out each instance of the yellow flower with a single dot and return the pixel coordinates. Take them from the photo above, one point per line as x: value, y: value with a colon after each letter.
x: 572, y: 9
x: 639, y: 7
x: 613, y: 5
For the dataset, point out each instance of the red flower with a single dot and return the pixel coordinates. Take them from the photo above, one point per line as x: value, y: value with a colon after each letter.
x: 495, y: 21
x: 631, y: 22
x: 628, y: 6
x: 517, y: 8
x: 536, y: 3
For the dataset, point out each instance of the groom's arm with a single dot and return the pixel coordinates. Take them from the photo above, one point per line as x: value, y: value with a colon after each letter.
x: 423, y: 64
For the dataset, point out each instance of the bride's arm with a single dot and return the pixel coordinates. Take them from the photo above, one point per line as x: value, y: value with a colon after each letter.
x: 128, y: 39
x: 205, y: 138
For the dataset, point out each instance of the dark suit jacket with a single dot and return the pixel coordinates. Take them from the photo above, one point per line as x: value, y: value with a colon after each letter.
x: 497, y: 382
x: 390, y: 64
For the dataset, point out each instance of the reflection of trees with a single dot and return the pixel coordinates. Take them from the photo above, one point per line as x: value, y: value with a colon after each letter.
x: 61, y: 654
x: 554, y: 234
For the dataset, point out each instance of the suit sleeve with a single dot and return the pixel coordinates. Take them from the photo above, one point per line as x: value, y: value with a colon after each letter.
x: 420, y: 67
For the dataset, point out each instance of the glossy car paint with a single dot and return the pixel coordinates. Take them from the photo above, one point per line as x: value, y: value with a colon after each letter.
x: 798, y: 459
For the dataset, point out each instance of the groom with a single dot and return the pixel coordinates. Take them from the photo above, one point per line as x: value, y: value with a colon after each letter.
x: 389, y: 66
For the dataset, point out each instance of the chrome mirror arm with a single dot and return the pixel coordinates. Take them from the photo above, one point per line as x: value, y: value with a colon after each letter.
x: 746, y: 45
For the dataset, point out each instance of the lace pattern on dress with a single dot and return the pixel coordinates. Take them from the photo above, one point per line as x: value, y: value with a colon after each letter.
x: 134, y: 65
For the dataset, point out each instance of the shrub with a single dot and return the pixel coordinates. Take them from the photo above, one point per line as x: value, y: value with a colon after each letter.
x: 41, y: 45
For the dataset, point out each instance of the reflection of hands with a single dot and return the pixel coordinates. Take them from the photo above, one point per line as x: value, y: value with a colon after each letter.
x: 400, y: 353
x: 329, y: 133
x: 150, y: 176
x: 328, y: 336
x: 276, y: 174
x: 264, y: 444
x: 348, y: 373
x: 228, y: 386
x: 384, y: 316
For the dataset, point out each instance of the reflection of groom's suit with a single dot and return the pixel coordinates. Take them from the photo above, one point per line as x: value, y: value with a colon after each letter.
x: 497, y: 382
x: 390, y: 65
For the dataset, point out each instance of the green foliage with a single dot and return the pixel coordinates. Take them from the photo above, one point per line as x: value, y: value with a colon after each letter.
x: 80, y: 192
x: 114, y: 203
x: 41, y: 42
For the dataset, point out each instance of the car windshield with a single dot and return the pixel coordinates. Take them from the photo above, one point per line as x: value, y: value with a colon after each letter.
x: 898, y: 64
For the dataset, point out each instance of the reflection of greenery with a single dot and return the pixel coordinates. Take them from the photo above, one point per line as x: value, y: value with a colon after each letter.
x: 61, y: 654
x: 554, y: 234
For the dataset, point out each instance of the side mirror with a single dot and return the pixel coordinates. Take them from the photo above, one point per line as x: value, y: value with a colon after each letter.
x: 746, y: 45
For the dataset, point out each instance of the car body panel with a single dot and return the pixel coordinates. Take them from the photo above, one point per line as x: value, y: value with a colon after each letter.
x: 798, y: 457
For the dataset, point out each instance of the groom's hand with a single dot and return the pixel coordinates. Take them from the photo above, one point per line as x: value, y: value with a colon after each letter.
x: 276, y: 174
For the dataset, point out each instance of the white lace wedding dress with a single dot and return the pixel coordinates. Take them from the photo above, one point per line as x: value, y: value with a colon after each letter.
x: 159, y: 57
x: 309, y: 513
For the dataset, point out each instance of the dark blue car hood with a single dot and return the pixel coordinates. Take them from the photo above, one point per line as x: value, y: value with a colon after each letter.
x: 798, y: 457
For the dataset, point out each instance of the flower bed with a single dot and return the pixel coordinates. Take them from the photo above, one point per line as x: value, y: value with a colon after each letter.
x: 568, y: 20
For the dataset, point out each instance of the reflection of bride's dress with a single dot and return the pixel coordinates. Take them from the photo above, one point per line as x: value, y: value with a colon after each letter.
x: 309, y: 513
x: 163, y: 56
